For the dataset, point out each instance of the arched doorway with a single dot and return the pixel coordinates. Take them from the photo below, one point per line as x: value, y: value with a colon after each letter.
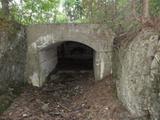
x: 75, y: 56
x: 67, y: 56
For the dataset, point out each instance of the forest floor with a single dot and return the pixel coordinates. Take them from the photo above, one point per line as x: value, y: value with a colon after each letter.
x: 70, y: 96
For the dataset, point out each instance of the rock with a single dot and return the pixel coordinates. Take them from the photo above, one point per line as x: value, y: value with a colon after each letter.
x: 137, y: 86
x: 24, y: 115
x: 45, y: 107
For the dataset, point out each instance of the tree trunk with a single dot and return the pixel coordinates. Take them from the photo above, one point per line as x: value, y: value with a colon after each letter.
x: 134, y: 8
x: 145, y: 18
x: 134, y: 13
x: 5, y: 7
x: 146, y: 9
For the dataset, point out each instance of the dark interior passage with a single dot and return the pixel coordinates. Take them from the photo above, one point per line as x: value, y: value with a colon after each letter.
x: 74, y: 56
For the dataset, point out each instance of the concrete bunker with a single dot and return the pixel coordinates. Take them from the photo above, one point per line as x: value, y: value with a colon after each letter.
x: 45, y: 40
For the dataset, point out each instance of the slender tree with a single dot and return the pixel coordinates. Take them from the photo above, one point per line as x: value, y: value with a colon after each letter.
x: 134, y: 8
x: 145, y: 17
x: 146, y: 9
x: 5, y: 8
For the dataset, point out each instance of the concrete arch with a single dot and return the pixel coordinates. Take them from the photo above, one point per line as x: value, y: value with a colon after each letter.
x: 57, y: 43
x: 41, y: 58
x: 45, y: 41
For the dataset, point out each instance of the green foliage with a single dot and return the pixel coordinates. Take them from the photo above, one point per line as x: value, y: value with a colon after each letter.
x: 110, y: 12
x: 35, y: 11
x: 73, y: 9
x: 122, y: 3
x: 61, y: 18
x: 155, y: 7
x: 46, y: 11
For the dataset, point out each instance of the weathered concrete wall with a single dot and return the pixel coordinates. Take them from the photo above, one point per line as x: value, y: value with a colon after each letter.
x: 48, y: 59
x: 102, y: 61
x: 12, y: 60
x: 40, y: 37
x: 138, y: 75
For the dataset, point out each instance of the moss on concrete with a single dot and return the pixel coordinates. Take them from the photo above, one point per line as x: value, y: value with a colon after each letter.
x: 13, y: 49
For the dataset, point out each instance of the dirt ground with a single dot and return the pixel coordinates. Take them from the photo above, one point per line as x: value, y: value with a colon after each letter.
x: 68, y: 96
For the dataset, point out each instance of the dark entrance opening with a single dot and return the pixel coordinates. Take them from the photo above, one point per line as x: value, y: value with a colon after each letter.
x: 74, y: 56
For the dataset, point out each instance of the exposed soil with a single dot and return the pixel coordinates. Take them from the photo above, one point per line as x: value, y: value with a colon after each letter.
x: 69, y: 96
